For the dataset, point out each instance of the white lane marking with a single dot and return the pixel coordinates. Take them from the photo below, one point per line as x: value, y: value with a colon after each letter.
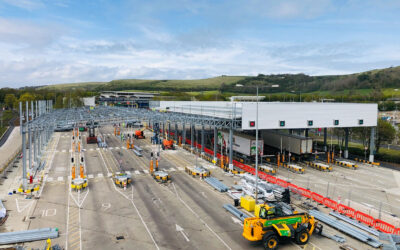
x: 97, y: 149
x: 109, y: 174
x: 200, y: 219
x: 146, y: 171
x: 116, y: 147
x: 90, y: 176
x: 91, y: 149
x: 137, y: 172
x: 128, y: 172
x: 25, y: 206
x: 50, y: 166
x: 63, y: 150
x: 110, y: 148
x: 60, y: 178
x: 117, y: 173
x: 131, y: 200
x: 180, y: 229
x: 106, y: 206
x: 181, y: 168
x: 49, y: 179
x: 100, y: 175
x: 172, y: 169
x: 137, y: 211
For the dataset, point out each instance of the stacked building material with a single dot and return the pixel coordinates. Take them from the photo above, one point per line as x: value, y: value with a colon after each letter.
x: 345, y: 228
x: 216, y: 184
x: 28, y: 235
x: 236, y: 212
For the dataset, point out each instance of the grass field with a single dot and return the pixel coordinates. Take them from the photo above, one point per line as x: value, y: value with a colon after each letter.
x: 68, y: 86
x: 6, y: 116
x: 155, y: 85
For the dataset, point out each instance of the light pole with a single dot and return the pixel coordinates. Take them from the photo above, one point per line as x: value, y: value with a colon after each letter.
x: 257, y: 147
x: 296, y: 92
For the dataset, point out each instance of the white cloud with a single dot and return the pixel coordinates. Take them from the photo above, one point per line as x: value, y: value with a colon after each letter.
x: 25, y: 4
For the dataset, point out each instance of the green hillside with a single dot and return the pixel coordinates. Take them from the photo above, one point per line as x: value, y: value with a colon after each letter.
x: 374, y: 82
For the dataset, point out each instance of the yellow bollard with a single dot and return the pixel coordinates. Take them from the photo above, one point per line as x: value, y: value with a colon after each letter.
x: 157, y: 165
x: 48, y: 247
x: 222, y: 161
x: 127, y: 144
x: 79, y: 147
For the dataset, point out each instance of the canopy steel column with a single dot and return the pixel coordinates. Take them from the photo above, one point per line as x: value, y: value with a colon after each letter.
x: 191, y: 136
x: 372, y: 145
x: 29, y: 136
x: 183, y: 134
x: 230, y: 149
x: 176, y: 132
x: 169, y: 130
x: 163, y: 129
x: 33, y: 135
x: 23, y: 147
x: 325, y: 135
x: 215, y: 144
x: 346, y: 143
x: 202, y: 139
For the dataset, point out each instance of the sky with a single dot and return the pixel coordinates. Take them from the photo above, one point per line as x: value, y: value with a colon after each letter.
x: 62, y: 41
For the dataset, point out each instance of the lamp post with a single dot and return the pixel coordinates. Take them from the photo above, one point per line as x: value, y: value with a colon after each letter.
x: 296, y: 93
x: 257, y: 147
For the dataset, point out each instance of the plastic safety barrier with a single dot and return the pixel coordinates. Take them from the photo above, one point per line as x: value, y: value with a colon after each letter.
x: 281, y: 182
x: 317, y: 197
x: 330, y: 203
x: 343, y: 209
x: 348, y: 211
x: 384, y: 226
x: 364, y: 218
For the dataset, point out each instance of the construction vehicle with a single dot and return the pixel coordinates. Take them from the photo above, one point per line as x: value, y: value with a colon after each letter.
x: 272, y: 225
x: 139, y: 134
x: 168, y: 144
x: 91, y: 137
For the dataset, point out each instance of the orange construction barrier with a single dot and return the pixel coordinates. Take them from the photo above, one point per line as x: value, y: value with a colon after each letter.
x: 73, y: 172
x: 82, y: 172
x: 156, y: 165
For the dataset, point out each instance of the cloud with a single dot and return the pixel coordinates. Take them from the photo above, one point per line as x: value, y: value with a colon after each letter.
x: 187, y: 39
x: 25, y: 4
x: 25, y: 33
